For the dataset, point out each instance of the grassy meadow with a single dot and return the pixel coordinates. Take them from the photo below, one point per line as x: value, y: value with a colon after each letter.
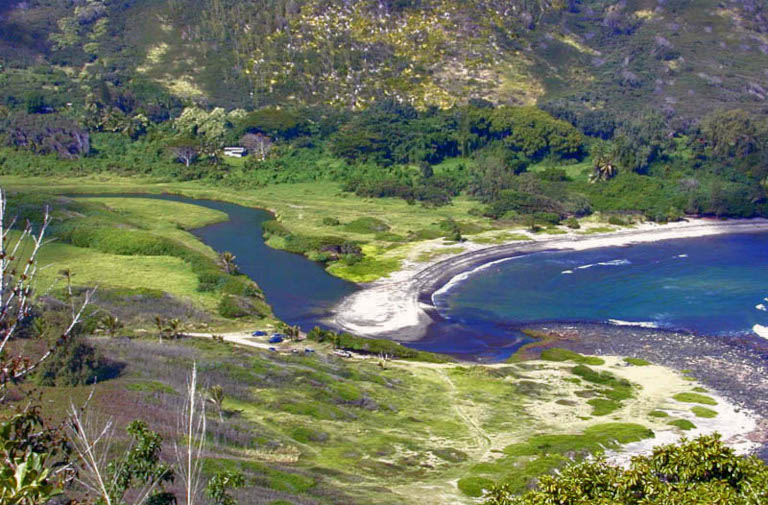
x: 315, y: 428
x: 389, y: 230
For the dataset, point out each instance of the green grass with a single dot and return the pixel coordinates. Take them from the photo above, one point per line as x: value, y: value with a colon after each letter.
x: 695, y: 398
x: 575, y: 171
x: 501, y: 238
x: 603, y: 406
x: 474, y: 487
x: 298, y: 206
x: 597, y: 229
x: 558, y: 354
x: 93, y: 268
x: 637, y: 361
x: 658, y: 414
x: 683, y: 424
x: 704, y: 412
x: 151, y: 387
x: 543, y: 453
x: 366, y: 225
x: 438, y: 252
x: 366, y: 270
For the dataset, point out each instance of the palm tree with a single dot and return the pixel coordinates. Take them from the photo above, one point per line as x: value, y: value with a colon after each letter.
x: 217, y: 397
x: 110, y: 325
x: 161, y: 328
x: 227, y: 262
x: 174, y: 328
x: 603, y: 164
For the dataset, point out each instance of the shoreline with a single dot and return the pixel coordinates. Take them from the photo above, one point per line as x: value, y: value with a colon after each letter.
x: 400, y: 307
x: 734, y: 369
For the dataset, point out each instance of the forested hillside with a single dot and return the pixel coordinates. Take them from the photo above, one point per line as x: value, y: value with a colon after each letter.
x: 681, y: 57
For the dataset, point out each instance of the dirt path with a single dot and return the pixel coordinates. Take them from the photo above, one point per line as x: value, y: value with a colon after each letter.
x: 482, y: 440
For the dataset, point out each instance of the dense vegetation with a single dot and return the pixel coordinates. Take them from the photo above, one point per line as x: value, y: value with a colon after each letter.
x: 699, y: 471
x: 517, y: 162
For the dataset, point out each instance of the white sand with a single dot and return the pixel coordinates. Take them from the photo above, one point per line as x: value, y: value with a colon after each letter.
x: 390, y: 307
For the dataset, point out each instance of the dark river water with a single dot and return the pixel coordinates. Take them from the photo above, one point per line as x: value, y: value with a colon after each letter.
x: 712, y: 285
x: 300, y: 291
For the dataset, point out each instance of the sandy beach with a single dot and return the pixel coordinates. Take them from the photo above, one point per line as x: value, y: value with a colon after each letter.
x: 400, y: 306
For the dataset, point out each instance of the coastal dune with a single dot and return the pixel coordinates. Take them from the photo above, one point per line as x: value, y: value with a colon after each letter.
x: 400, y: 306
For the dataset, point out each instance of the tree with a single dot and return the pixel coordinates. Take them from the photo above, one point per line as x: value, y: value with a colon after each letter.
x: 216, y: 394
x: 227, y: 262
x: 110, y: 325
x: 35, y: 459
x: 18, y: 269
x: 48, y: 134
x: 162, y: 329
x: 696, y: 472
x: 185, y: 151
x: 138, y: 473
x: 218, y: 487
x: 603, y: 161
x: 257, y: 143
x: 733, y: 133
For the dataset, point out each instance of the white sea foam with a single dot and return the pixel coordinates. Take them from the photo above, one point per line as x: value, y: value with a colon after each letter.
x: 681, y: 256
x: 760, y: 331
x: 466, y: 275
x: 612, y: 263
x: 641, y: 324
x: 761, y: 307
x: 566, y: 272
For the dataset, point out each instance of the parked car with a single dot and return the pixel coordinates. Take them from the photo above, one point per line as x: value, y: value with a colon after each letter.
x: 276, y: 339
x: 259, y: 334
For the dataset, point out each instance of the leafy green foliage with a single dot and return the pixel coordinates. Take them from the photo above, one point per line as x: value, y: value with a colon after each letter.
x: 704, y: 412
x: 695, y: 398
x: 219, y: 486
x: 373, y: 346
x: 139, y: 466
x: 558, y: 354
x: 30, y: 452
x: 699, y: 471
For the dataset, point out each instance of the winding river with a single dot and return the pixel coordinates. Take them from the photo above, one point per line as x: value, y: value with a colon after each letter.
x: 714, y: 285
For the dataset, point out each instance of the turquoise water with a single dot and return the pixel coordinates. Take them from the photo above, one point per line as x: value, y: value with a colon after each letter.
x: 714, y: 286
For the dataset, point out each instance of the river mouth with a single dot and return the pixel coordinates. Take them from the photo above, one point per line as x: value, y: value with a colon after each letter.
x: 301, y: 292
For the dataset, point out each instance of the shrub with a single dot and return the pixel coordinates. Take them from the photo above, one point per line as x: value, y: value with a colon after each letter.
x: 474, y: 486
x: 699, y: 471
x: 367, y: 225
x: 558, y: 354
x: 75, y: 364
x: 603, y: 406
x: 683, y: 424
x: 572, y: 223
x: 331, y: 221
x: 232, y: 307
x: 695, y: 398
x: 704, y: 412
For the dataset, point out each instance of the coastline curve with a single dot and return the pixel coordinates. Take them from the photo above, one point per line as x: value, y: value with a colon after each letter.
x: 400, y: 307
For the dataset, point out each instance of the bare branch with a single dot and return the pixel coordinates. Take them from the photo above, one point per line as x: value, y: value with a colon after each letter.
x: 192, y: 423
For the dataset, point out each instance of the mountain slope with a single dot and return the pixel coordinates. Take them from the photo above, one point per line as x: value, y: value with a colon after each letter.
x: 681, y: 57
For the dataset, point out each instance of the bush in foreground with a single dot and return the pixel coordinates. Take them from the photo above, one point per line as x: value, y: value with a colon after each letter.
x: 699, y: 471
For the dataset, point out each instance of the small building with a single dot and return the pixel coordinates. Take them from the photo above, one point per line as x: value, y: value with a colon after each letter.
x: 235, y: 152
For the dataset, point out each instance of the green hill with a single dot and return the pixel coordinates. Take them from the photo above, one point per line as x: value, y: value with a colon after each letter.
x: 681, y: 57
